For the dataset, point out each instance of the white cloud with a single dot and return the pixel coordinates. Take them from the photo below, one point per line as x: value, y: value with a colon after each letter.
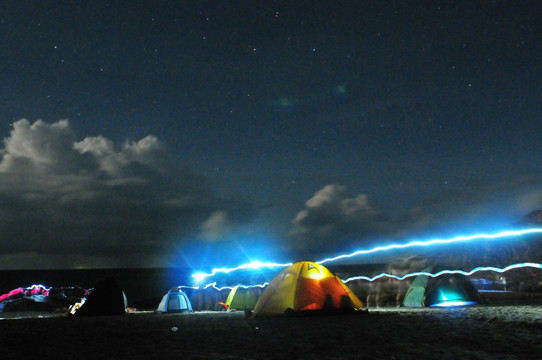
x: 147, y: 151
x: 40, y: 144
x: 332, y: 215
x: 92, y: 199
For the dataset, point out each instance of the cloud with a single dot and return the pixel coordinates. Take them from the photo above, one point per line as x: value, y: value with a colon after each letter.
x: 333, y: 216
x: 476, y: 207
x: 216, y: 226
x: 530, y: 200
x: 92, y: 199
x: 334, y: 221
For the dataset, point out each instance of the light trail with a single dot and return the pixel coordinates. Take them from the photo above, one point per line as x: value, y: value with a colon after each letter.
x: 400, y: 278
x: 213, y: 285
x: 36, y: 289
x: 198, y: 277
x: 448, y: 272
x: 253, y: 265
x: 510, y: 233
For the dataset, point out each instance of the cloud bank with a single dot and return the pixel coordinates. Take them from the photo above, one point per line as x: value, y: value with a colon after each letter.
x: 68, y: 202
x: 82, y: 201
x: 334, y: 216
x: 335, y: 220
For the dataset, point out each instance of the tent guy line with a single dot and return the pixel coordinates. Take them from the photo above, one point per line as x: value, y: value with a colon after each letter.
x: 198, y: 277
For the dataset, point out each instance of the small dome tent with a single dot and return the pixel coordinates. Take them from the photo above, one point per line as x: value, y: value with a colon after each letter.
x: 175, y: 300
x: 107, y: 298
x: 441, y: 291
x: 306, y: 286
x: 241, y: 297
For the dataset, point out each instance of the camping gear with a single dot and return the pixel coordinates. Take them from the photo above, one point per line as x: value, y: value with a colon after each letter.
x: 441, y: 291
x: 306, y: 286
x: 175, y: 300
x: 107, y: 298
x: 243, y: 297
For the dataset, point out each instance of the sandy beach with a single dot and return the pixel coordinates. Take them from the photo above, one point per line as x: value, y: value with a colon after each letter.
x: 477, y: 332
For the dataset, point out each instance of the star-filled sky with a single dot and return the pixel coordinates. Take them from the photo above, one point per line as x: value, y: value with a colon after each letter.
x: 212, y: 133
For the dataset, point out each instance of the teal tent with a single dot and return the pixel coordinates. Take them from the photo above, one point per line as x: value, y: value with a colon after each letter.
x: 441, y: 291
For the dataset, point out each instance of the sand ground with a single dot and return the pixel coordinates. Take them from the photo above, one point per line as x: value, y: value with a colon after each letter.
x: 477, y: 332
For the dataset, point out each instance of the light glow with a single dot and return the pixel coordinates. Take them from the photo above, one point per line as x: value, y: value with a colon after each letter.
x: 454, y: 303
x: 452, y: 299
x: 199, y: 277
x: 315, y: 273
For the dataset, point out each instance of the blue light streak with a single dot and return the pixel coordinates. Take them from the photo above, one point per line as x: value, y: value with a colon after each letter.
x: 435, y: 242
x: 448, y: 272
x: 400, y: 278
x: 253, y: 265
x: 199, y: 277
x: 213, y: 285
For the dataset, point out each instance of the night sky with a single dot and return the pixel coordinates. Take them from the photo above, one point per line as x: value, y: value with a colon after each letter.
x: 212, y: 133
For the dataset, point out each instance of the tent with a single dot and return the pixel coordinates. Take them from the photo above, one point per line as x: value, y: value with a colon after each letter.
x: 241, y: 297
x: 107, y: 298
x: 441, y: 291
x: 175, y: 300
x: 206, y: 298
x: 306, y: 286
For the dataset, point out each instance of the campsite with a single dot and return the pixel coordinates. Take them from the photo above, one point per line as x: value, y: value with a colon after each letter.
x: 271, y: 179
x: 305, y: 312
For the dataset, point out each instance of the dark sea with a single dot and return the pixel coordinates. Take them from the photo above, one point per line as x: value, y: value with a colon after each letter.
x: 138, y: 284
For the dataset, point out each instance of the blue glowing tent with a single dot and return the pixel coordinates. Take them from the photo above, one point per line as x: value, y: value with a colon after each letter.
x: 441, y: 291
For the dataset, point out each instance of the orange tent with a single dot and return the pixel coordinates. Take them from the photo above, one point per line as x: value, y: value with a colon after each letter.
x: 306, y: 286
